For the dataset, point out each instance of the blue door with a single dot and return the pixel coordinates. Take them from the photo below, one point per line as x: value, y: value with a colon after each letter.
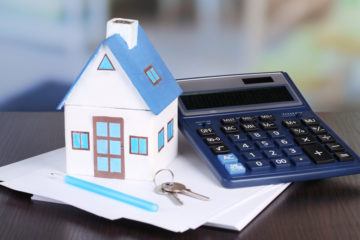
x: 109, y: 147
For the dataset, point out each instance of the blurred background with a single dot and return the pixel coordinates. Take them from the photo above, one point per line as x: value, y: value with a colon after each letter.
x: 44, y: 44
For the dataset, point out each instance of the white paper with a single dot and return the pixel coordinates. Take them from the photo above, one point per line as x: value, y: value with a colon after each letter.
x: 188, y: 168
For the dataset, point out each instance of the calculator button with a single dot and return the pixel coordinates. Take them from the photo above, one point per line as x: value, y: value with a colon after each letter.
x: 213, y: 140
x: 292, y: 151
x: 317, y: 129
x: 344, y: 156
x: 249, y: 127
x: 318, y: 153
x: 281, y: 162
x: 220, y: 149
x: 227, y: 158
x: 291, y: 123
x: 301, y: 160
x: 306, y: 140
x: 267, y: 118
x: 276, y: 133
x: 258, y: 165
x: 238, y: 137
x: 257, y: 135
x: 227, y: 121
x: 299, y: 131
x: 230, y: 129
x: 272, y: 153
x: 265, y: 144
x: 309, y: 121
x: 252, y: 155
x: 247, y: 119
x: 325, y: 138
x: 204, y: 132
x: 334, y: 147
x: 245, y: 146
x: 283, y: 142
x: 268, y: 125
x: 235, y: 168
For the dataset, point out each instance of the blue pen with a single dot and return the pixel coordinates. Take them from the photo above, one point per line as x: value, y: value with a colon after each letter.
x: 110, y: 193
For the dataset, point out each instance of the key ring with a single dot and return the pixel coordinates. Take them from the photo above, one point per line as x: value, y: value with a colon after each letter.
x: 160, y: 171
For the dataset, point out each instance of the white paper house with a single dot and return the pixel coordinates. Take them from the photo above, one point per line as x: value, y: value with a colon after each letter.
x: 121, y: 112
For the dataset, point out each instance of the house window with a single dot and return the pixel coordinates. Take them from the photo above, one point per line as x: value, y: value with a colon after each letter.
x: 152, y: 75
x: 138, y: 145
x: 161, y: 141
x: 170, y: 130
x: 106, y: 64
x: 80, y: 140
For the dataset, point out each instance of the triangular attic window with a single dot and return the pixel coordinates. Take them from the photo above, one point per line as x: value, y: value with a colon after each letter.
x: 105, y: 64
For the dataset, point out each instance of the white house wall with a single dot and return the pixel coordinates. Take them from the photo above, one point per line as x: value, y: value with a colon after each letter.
x: 105, y: 88
x: 136, y: 123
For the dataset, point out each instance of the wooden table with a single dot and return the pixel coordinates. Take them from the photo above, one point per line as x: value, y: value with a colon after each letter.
x: 323, y: 209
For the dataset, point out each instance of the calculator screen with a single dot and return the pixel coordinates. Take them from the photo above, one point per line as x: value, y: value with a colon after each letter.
x: 238, y: 97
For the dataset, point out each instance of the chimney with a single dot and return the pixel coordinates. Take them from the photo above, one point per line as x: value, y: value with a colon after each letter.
x: 127, y: 28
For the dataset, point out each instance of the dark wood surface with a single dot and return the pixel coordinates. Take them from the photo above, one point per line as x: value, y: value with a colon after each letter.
x: 323, y: 209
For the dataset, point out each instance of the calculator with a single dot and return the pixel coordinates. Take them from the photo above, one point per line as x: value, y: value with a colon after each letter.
x: 256, y: 129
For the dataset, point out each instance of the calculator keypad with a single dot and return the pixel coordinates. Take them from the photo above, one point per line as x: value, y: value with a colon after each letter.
x: 262, y: 143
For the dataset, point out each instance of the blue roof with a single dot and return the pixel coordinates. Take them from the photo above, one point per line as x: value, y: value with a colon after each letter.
x: 134, y: 61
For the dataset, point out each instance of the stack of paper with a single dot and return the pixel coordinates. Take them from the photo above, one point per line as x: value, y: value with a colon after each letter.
x: 228, y: 208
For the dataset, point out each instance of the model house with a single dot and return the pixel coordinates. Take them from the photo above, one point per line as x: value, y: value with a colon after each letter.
x: 121, y: 112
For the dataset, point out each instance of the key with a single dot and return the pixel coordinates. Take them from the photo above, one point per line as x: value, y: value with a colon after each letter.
x: 318, y: 153
x: 220, y: 149
x: 343, y: 156
x: 215, y: 140
x: 334, y: 147
x: 252, y: 155
x: 317, y: 129
x: 293, y: 151
x: 265, y: 144
x: 281, y: 162
x: 276, y: 134
x: 272, y: 153
x: 325, y: 138
x: 301, y: 160
x: 283, y: 142
x: 247, y: 119
x: 257, y: 135
x: 249, y: 127
x: 235, y: 168
x: 267, y: 118
x: 258, y: 165
x: 299, y: 131
x: 230, y: 129
x: 204, y: 132
x: 226, y: 121
x: 305, y: 140
x: 175, y: 187
x: 245, y: 146
x: 309, y: 121
x: 173, y: 197
x: 238, y: 137
x: 227, y: 158
x: 291, y: 123
x: 268, y: 125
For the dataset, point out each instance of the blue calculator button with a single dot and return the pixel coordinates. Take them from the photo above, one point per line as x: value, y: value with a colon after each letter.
x: 301, y: 160
x: 281, y: 162
x: 252, y: 155
x: 239, y: 137
x: 265, y: 144
x: 258, y: 165
x: 257, y: 135
x: 235, y: 168
x: 283, y: 142
x: 292, y: 151
x: 276, y: 134
x: 272, y: 153
x: 245, y: 146
x: 227, y: 158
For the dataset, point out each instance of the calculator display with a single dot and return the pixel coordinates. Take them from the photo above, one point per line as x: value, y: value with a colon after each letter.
x: 238, y: 97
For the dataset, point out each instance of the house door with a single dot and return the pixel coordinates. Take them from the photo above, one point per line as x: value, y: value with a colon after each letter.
x: 109, y: 147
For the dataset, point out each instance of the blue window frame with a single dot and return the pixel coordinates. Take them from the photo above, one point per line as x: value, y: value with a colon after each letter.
x: 170, y: 130
x: 152, y: 75
x: 138, y: 145
x: 161, y: 139
x: 80, y: 140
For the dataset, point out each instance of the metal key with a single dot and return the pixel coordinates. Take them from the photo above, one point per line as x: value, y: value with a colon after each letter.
x: 175, y: 187
x: 172, y: 196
